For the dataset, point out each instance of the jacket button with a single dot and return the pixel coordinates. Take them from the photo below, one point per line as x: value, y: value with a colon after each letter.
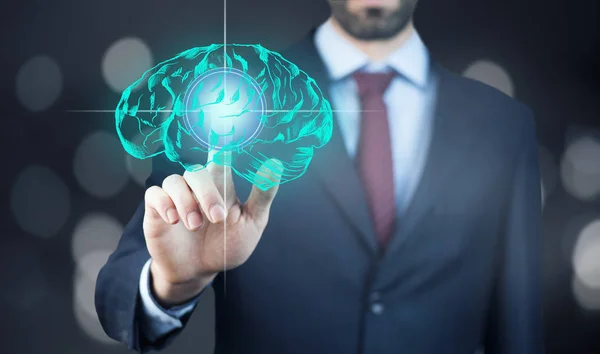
x: 377, y: 308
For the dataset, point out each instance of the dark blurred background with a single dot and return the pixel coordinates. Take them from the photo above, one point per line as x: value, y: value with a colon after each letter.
x: 70, y: 188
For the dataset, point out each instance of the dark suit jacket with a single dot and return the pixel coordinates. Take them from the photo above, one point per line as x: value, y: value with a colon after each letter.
x: 462, y: 270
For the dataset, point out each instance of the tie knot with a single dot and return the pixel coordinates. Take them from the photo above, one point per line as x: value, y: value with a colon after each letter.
x: 372, y: 84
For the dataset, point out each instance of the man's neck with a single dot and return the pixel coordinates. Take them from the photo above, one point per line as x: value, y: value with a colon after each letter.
x: 376, y: 49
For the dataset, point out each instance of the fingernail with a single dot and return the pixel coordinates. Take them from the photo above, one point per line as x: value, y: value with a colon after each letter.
x: 172, y: 215
x: 194, y: 220
x: 217, y: 213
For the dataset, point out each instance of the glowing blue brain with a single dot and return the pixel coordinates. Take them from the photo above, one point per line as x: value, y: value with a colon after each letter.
x: 242, y: 101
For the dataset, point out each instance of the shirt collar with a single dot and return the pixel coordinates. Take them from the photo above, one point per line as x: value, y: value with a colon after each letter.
x: 341, y: 58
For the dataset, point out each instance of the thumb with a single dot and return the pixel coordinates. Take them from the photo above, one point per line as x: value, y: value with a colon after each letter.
x: 266, y: 184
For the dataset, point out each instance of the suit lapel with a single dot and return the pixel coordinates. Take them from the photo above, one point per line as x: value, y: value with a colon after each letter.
x: 332, y: 165
x: 340, y: 179
x: 438, y: 168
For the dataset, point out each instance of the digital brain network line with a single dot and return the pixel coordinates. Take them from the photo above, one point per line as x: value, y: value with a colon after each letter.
x: 244, y: 103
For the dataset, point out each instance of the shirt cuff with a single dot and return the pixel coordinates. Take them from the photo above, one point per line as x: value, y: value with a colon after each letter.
x: 157, y: 321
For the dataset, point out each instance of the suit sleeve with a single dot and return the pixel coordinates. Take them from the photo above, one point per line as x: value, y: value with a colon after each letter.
x: 515, y: 318
x: 117, y: 297
x: 156, y: 321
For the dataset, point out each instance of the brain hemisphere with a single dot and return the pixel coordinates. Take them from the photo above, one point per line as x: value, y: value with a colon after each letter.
x: 240, y: 99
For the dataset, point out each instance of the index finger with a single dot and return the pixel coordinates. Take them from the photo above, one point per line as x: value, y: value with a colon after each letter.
x: 219, y: 167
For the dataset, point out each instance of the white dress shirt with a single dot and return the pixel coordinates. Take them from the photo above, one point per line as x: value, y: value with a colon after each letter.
x: 410, y: 100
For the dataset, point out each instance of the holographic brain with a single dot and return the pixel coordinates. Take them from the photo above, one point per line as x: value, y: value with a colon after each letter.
x: 245, y: 104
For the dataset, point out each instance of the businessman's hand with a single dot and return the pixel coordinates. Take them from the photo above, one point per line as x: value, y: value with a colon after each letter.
x: 185, y: 225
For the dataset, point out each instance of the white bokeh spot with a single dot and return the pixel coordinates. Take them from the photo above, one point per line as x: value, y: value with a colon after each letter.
x: 586, y: 255
x: 588, y: 298
x: 99, y: 165
x: 580, y: 168
x: 84, y: 309
x: 94, y: 239
x: 89, y: 264
x: 491, y: 74
x: 95, y: 232
x: 39, y: 83
x: 125, y: 62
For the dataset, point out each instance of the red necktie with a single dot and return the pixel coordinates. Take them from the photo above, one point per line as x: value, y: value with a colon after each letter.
x: 375, y: 153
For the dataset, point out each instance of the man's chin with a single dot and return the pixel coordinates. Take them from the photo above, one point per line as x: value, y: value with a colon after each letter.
x: 372, y: 36
x: 372, y: 31
x: 372, y: 24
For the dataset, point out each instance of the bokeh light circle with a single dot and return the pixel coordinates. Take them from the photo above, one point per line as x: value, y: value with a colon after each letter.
x: 99, y: 165
x: 84, y: 309
x: 95, y: 232
x: 138, y: 169
x: 491, y: 74
x: 95, y: 237
x: 587, y: 297
x: 125, y: 61
x: 84, y: 293
x: 586, y: 255
x: 580, y: 168
x: 224, y: 109
x: 39, y: 83
x: 89, y: 264
x: 40, y: 201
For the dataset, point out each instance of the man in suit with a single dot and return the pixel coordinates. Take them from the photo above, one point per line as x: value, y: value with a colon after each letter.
x: 415, y: 230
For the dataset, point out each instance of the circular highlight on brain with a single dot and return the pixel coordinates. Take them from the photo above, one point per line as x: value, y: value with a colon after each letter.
x: 245, y: 105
